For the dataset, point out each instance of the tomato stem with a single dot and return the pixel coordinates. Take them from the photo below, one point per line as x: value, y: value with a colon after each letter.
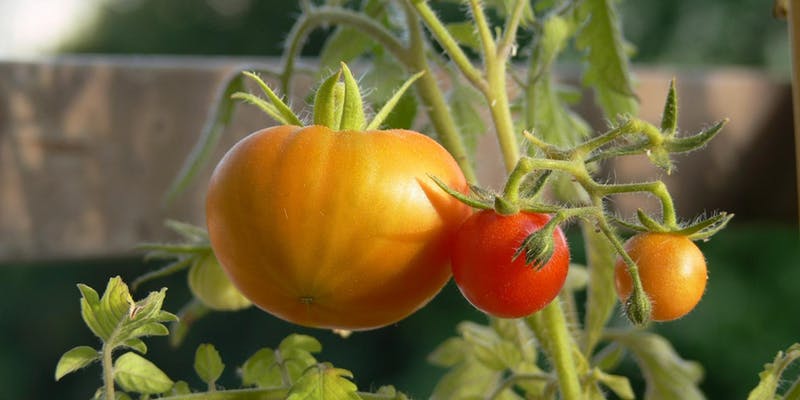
x: 638, y: 290
x: 550, y: 327
x: 108, y: 371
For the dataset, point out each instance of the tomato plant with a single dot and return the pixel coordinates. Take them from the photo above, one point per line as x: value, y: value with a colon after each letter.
x: 495, y: 279
x: 672, y: 269
x: 338, y: 229
x: 337, y: 223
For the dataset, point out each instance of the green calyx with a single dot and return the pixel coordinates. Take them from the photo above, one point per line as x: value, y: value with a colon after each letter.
x: 338, y: 103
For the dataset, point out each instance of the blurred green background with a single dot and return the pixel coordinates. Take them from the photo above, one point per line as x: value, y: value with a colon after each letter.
x: 750, y: 310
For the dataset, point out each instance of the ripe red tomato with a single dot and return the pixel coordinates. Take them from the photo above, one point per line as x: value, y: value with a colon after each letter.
x: 672, y: 269
x: 335, y: 229
x: 491, y: 279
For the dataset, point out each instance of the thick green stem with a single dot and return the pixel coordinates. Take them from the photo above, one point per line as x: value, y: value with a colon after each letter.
x: 449, y: 44
x: 550, y: 327
x: 501, y: 113
x: 433, y: 98
x: 497, y: 92
x: 108, y: 372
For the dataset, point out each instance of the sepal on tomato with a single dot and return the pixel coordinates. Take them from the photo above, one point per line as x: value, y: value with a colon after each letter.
x: 211, y: 286
x: 638, y: 307
x: 539, y: 246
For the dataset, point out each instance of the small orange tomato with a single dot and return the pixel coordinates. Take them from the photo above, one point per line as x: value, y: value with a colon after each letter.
x: 672, y: 270
x: 335, y: 229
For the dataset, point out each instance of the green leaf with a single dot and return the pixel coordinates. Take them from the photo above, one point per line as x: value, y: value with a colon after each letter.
x: 451, y: 352
x: 296, y: 361
x: 383, y: 76
x: 668, y: 376
x: 489, y: 348
x: 609, y: 357
x: 119, y: 321
x: 607, y: 69
x: 221, y: 115
x: 465, y: 34
x: 770, y: 377
x: 551, y: 119
x: 133, y: 373
x: 262, y: 370
x: 75, y: 359
x: 470, y: 379
x: 601, y: 298
x: 547, y: 113
x: 296, y: 341
x: 620, y: 385
x: 208, y: 363
x: 390, y: 393
x: 104, y: 315
x: 465, y: 104
x: 344, y: 45
x: 136, y: 344
x: 577, y: 278
x: 669, y: 118
x: 324, y: 382
x: 180, y: 388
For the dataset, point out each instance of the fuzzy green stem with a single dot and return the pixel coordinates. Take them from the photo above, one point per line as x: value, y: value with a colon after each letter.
x: 550, y: 327
x: 484, y: 30
x: 518, y: 174
x: 497, y: 93
x: 633, y: 270
x: 656, y: 188
x: 507, y: 42
x: 596, y: 142
x: 108, y: 371
x: 433, y: 98
x: 449, y: 44
x: 325, y: 15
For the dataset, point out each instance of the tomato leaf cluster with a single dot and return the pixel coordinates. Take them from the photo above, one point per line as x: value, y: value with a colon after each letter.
x: 290, y: 371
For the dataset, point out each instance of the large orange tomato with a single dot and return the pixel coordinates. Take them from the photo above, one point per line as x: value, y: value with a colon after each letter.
x: 335, y: 229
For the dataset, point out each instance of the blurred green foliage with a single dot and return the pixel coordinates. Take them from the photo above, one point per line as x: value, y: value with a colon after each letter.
x: 687, y: 32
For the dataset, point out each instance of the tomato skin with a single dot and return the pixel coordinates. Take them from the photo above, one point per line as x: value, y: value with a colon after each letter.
x: 672, y: 270
x: 340, y: 230
x: 489, y: 277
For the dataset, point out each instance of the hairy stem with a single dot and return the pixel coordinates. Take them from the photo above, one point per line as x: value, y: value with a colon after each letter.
x: 319, y: 16
x: 450, y: 46
x: 550, y: 327
x: 656, y: 188
x: 108, y: 372
x: 432, y: 97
